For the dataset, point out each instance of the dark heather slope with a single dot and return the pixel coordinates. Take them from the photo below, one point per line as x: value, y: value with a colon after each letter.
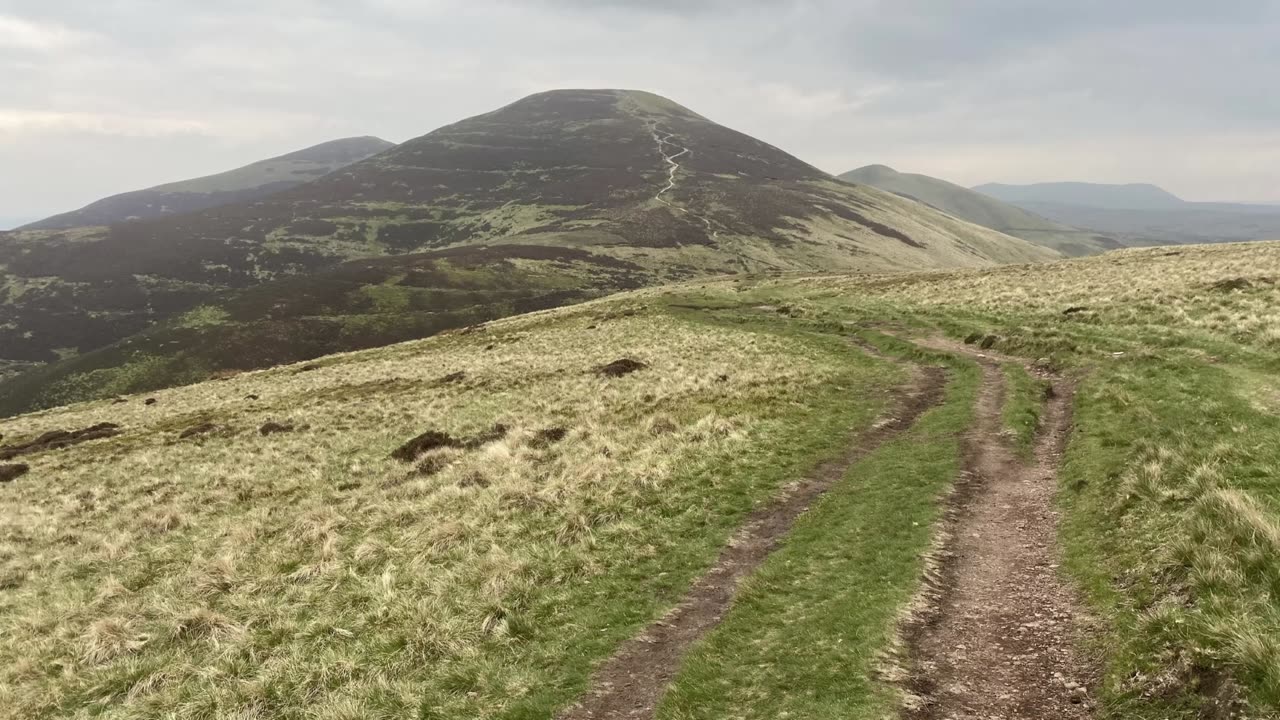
x: 531, y: 199
x: 245, y: 184
x: 983, y: 210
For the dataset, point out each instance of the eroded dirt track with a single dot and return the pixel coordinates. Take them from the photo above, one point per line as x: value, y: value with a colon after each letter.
x: 630, y: 684
x: 998, y: 639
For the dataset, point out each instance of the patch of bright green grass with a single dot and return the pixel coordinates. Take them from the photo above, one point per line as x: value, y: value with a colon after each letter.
x: 1023, y: 402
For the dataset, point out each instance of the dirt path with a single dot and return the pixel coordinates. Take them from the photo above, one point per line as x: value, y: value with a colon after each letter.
x: 997, y: 640
x: 630, y: 684
x: 663, y: 139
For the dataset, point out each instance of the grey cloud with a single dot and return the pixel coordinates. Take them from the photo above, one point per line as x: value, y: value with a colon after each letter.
x: 1001, y: 90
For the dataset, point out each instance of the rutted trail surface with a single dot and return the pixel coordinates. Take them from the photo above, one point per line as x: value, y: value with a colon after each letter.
x: 997, y: 640
x: 630, y: 684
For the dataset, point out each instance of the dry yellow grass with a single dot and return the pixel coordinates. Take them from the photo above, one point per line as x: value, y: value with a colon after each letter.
x: 308, y: 574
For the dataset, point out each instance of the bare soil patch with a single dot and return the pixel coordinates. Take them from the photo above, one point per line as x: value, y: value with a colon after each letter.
x: 422, y: 444
x: 630, y: 684
x: 12, y: 471
x: 434, y: 439
x: 623, y: 366
x: 272, y: 427
x: 57, y: 439
x: 998, y: 635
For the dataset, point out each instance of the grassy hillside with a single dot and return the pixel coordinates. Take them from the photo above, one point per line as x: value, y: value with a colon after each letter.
x: 299, y: 570
x: 1172, y: 509
x: 983, y: 210
x: 606, y: 178
x: 246, y: 184
x: 322, y: 578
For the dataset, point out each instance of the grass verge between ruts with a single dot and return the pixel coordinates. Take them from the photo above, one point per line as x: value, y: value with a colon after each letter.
x: 806, y: 633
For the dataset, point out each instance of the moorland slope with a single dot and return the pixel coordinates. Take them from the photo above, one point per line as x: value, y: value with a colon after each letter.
x: 473, y: 524
x: 983, y: 210
x: 246, y: 184
x: 559, y: 196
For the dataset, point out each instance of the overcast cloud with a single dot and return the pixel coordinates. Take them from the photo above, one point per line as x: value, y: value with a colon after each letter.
x: 103, y: 96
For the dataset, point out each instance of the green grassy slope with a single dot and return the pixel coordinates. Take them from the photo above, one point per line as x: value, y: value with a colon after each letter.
x: 307, y: 573
x: 1169, y: 488
x: 983, y: 210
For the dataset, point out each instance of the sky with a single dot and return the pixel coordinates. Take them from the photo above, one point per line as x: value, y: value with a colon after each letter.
x: 103, y: 96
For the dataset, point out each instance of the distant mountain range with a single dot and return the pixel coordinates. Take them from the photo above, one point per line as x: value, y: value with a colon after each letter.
x: 1141, y: 214
x: 558, y: 197
x: 983, y: 210
x: 1118, y: 197
x: 245, y: 184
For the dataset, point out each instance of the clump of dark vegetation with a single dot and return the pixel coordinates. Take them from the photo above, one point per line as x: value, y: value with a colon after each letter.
x: 251, y: 397
x: 453, y: 377
x: 547, y: 437
x: 272, y: 427
x: 308, y: 367
x: 149, y: 401
x: 13, y: 471
x: 56, y: 439
x: 972, y: 338
x: 431, y: 465
x: 422, y: 444
x: 434, y: 439
x: 1074, y: 309
x: 620, y: 367
x: 988, y: 342
x: 196, y: 430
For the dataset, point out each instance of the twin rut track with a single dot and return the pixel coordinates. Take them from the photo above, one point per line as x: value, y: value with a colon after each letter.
x: 995, y: 635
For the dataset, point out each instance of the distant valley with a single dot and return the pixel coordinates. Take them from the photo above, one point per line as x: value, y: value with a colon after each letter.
x: 983, y: 210
x: 1141, y: 214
